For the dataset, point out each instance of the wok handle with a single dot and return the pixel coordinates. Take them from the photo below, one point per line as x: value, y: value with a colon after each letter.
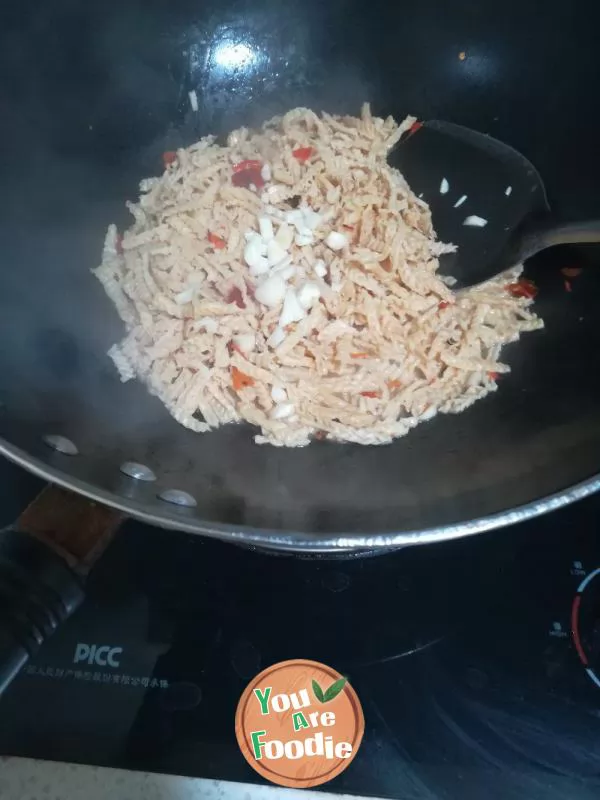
x: 44, y: 559
x: 549, y: 235
x: 38, y: 592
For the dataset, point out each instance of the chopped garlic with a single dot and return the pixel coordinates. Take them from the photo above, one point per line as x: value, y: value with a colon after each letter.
x: 209, y: 324
x: 271, y: 291
x: 320, y: 268
x: 308, y: 295
x: 475, y: 222
x: 274, y: 212
x: 266, y: 228
x: 444, y: 186
x: 284, y: 236
x: 303, y: 239
x: 185, y: 297
x: 258, y: 263
x: 312, y: 219
x: 276, y: 338
x: 278, y: 394
x: 304, y: 219
x: 285, y: 270
x: 261, y: 268
x: 460, y: 201
x: 275, y: 253
x: 282, y: 264
x: 295, y: 218
x: 265, y: 172
x: 292, y: 310
x: 508, y: 191
x: 245, y: 341
x: 193, y: 100
x: 282, y: 410
x: 336, y: 241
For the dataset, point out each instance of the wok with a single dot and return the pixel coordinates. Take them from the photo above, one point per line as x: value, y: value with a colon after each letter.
x: 91, y: 94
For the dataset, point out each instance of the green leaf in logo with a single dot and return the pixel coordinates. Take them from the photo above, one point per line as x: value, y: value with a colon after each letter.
x: 334, y: 690
x: 318, y: 692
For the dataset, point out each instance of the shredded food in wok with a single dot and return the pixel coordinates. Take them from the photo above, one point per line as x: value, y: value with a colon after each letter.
x: 290, y: 280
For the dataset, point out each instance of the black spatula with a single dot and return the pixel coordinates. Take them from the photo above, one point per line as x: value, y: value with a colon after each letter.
x: 485, y: 197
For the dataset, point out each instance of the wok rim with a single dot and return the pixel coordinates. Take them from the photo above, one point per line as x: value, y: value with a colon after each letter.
x: 298, y: 541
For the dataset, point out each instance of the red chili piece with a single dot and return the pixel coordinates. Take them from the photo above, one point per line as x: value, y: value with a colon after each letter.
x: 416, y: 126
x: 239, y: 379
x: 522, y: 288
x: 247, y: 176
x: 217, y: 242
x: 235, y: 296
x: 571, y: 272
x: 169, y: 157
x: 249, y: 163
x: 303, y: 153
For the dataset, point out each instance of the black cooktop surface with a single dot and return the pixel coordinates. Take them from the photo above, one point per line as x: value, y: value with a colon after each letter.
x: 474, y: 661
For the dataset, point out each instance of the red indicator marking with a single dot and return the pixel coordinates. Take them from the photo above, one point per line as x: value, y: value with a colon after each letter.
x: 575, y: 629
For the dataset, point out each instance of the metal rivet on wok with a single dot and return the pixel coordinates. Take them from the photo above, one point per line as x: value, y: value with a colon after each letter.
x: 61, y: 444
x: 138, y: 471
x: 178, y: 497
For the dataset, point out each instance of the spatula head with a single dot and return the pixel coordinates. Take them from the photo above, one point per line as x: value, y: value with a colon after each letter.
x: 500, y: 185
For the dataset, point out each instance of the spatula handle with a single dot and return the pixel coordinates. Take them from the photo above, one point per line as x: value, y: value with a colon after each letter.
x: 585, y: 232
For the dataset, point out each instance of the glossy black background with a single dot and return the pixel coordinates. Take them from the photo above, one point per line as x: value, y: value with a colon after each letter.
x: 528, y: 77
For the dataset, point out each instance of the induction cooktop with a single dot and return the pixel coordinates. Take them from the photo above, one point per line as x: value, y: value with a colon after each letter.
x: 477, y: 662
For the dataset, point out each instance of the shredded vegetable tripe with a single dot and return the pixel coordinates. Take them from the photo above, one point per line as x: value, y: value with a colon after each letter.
x: 289, y: 280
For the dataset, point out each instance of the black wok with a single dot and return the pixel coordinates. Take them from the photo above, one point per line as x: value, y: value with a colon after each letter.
x: 92, y: 94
